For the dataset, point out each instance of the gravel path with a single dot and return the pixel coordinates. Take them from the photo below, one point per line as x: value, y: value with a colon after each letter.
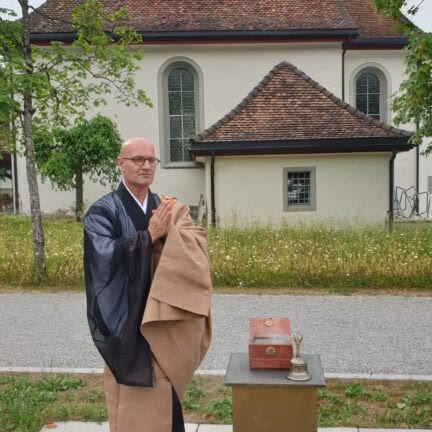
x: 355, y: 334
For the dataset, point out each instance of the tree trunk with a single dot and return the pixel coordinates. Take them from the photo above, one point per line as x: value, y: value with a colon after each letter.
x: 36, y: 217
x: 79, y: 192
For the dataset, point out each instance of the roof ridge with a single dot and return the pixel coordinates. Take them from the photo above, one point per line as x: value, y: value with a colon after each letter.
x: 336, y: 100
x: 244, y: 102
x: 342, y: 5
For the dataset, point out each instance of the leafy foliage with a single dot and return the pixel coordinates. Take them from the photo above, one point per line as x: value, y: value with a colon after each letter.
x: 355, y: 390
x: 220, y: 408
x: 193, y: 396
x: 66, y: 81
x: 10, y: 37
x: 414, y: 102
x: 89, y: 147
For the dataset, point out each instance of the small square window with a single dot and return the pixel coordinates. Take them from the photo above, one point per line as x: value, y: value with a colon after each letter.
x: 299, y: 189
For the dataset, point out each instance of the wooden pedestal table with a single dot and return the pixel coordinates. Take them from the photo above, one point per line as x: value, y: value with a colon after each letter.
x: 265, y: 400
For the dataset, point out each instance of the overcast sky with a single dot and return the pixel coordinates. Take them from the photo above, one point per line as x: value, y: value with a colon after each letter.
x: 422, y: 19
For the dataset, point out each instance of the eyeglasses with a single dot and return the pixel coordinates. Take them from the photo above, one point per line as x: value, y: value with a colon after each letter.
x: 141, y: 160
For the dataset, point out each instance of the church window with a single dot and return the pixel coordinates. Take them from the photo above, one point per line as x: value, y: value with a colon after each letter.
x: 299, y: 189
x: 181, y: 107
x: 181, y: 110
x: 370, y: 87
x: 368, y: 94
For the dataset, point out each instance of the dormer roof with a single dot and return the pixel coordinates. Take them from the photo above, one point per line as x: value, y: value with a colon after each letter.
x: 290, y: 112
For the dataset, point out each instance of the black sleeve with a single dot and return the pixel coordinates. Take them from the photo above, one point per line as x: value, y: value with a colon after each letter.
x: 106, y: 271
x: 117, y: 273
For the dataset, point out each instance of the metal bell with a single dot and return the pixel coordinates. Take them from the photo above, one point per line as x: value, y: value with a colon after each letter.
x: 298, y: 369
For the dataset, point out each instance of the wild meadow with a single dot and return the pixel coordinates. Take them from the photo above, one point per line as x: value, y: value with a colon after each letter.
x: 260, y: 257
x: 322, y: 257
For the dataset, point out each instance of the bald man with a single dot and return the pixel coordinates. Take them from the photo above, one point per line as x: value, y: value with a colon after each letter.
x: 127, y: 233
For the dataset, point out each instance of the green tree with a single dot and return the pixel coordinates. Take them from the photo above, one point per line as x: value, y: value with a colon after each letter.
x: 54, y: 85
x: 67, y: 154
x: 414, y: 102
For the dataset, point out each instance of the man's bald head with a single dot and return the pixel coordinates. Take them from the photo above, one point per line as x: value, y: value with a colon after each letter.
x: 133, y: 147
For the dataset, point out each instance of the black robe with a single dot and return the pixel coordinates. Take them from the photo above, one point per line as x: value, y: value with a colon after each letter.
x: 117, y: 266
x: 118, y: 274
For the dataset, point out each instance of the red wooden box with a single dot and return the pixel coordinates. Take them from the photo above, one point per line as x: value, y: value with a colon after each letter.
x: 270, y: 343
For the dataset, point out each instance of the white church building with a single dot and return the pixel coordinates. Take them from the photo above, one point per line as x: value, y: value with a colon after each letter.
x: 264, y: 111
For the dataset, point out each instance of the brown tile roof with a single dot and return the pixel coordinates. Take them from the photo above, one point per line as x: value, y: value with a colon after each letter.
x: 288, y: 105
x: 225, y: 15
x: 369, y: 22
x: 240, y: 15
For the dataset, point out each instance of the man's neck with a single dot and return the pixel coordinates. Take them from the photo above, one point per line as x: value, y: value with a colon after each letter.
x: 138, y: 192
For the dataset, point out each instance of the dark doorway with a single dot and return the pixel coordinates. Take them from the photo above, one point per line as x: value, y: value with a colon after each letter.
x: 6, y: 184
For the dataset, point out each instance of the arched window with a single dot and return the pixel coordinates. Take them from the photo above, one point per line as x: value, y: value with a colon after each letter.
x: 368, y: 94
x: 370, y: 87
x: 181, y: 111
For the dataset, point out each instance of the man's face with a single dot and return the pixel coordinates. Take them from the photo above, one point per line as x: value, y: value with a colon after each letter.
x: 137, y: 175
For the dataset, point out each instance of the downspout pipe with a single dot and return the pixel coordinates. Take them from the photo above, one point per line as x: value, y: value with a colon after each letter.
x: 391, y: 189
x: 212, y: 189
x: 15, y: 182
x: 345, y: 46
x: 417, y: 204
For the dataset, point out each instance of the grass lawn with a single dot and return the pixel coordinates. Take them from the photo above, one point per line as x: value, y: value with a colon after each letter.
x: 306, y: 260
x: 29, y: 401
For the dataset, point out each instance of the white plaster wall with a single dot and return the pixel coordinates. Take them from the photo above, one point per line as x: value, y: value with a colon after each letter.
x: 230, y: 72
x: 351, y: 189
x: 393, y: 63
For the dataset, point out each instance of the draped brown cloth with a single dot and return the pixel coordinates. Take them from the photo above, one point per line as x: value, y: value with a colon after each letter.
x: 176, y: 324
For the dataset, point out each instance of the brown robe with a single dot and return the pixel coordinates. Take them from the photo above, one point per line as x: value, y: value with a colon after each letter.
x: 176, y: 324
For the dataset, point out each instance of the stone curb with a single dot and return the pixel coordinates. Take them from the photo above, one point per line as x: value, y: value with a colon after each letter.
x: 203, y: 372
x: 193, y: 427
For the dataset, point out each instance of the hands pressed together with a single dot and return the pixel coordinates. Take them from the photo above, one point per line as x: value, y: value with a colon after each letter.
x: 159, y: 222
